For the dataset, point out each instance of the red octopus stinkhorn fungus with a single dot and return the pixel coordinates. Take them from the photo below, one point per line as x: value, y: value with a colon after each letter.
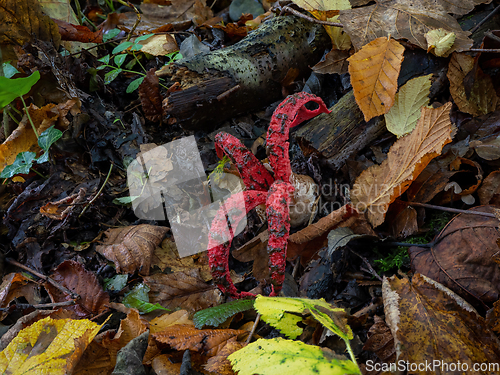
x: 262, y: 187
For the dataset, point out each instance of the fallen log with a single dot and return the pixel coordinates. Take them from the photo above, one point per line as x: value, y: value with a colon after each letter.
x: 221, y: 84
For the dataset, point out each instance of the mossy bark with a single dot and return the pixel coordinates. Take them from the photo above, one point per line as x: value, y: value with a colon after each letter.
x: 247, y: 75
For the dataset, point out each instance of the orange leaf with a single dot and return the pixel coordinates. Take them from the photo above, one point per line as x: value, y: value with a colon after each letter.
x: 374, y: 73
x: 380, y: 185
x: 206, y: 341
x: 131, y: 248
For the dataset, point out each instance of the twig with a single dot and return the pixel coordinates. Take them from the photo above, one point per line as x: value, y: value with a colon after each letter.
x: 99, y: 192
x: 370, y: 268
x: 453, y: 210
x: 310, y: 19
x: 474, y: 29
x: 40, y: 306
x: 485, y: 50
x: 407, y: 244
x: 43, y: 277
x: 372, y: 307
x: 253, y: 329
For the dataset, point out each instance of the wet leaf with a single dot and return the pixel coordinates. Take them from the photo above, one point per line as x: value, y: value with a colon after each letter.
x: 482, y: 98
x: 374, y: 75
x: 151, y: 100
x: 275, y: 356
x: 48, y: 346
x: 431, y: 323
x: 380, y: 185
x: 205, y: 341
x: 185, y: 289
x: 131, y: 248
x: 129, y: 359
x: 404, y: 114
x: 93, y: 300
x: 464, y: 257
x: 217, y: 315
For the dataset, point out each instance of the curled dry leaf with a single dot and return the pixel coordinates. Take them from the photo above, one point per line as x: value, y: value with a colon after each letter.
x: 131, y: 248
x: 381, y: 342
x: 60, y: 209
x: 431, y: 323
x: 16, y: 285
x: 379, y: 185
x: 205, y: 341
x: 482, y: 98
x: 184, y: 289
x: 464, y: 257
x: 149, y: 92
x: 374, y: 75
x: 489, y: 192
x: 72, y: 275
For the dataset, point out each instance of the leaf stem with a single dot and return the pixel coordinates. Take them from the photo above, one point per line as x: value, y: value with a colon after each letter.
x: 29, y: 117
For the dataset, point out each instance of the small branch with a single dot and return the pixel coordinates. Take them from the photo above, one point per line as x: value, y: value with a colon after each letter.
x: 43, y: 277
x: 485, y: 50
x: 474, y: 29
x: 370, y: 268
x: 40, y: 306
x: 311, y: 19
x: 253, y: 329
x: 452, y: 210
x: 99, y: 192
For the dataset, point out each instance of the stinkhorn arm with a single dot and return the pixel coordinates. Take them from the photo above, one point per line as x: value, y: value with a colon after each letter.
x: 291, y: 112
x: 278, y: 219
x: 220, y: 237
x: 255, y: 176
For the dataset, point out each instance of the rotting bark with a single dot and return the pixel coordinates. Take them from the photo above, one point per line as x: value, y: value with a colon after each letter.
x: 245, y: 76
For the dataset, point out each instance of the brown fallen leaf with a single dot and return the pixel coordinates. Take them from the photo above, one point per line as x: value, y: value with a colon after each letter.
x: 131, y: 248
x: 16, y: 285
x: 20, y: 21
x: 72, y: 275
x: 149, y: 92
x: 464, y: 257
x: 374, y: 73
x: 334, y: 62
x: 489, y: 192
x: 219, y: 363
x: 406, y: 19
x: 60, y: 209
x: 205, y: 341
x: 381, y: 342
x: 379, y: 185
x: 184, y: 289
x: 431, y: 323
x: 482, y: 99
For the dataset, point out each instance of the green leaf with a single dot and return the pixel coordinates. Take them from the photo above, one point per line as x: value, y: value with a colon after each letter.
x: 125, y: 200
x: 134, y: 85
x: 110, y: 35
x: 138, y: 299
x: 119, y: 59
x: 22, y: 165
x: 48, y: 138
x: 8, y: 70
x: 142, y: 37
x: 116, y: 283
x: 274, y: 311
x: 122, y: 47
x: 406, y: 111
x: 110, y: 76
x: 214, y: 316
x: 280, y: 356
x: 11, y: 88
x: 104, y: 60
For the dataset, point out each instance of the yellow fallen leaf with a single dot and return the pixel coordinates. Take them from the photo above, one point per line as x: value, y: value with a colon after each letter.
x: 374, y: 73
x: 440, y: 41
x: 48, y: 346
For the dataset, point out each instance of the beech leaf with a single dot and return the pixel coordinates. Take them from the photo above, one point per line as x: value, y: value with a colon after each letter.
x: 431, y: 323
x: 379, y: 185
x: 374, y: 75
x: 412, y: 96
x: 440, y: 41
x: 280, y: 356
x: 48, y: 347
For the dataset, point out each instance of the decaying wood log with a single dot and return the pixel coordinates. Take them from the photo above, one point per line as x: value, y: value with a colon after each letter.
x: 246, y: 76
x: 338, y: 134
